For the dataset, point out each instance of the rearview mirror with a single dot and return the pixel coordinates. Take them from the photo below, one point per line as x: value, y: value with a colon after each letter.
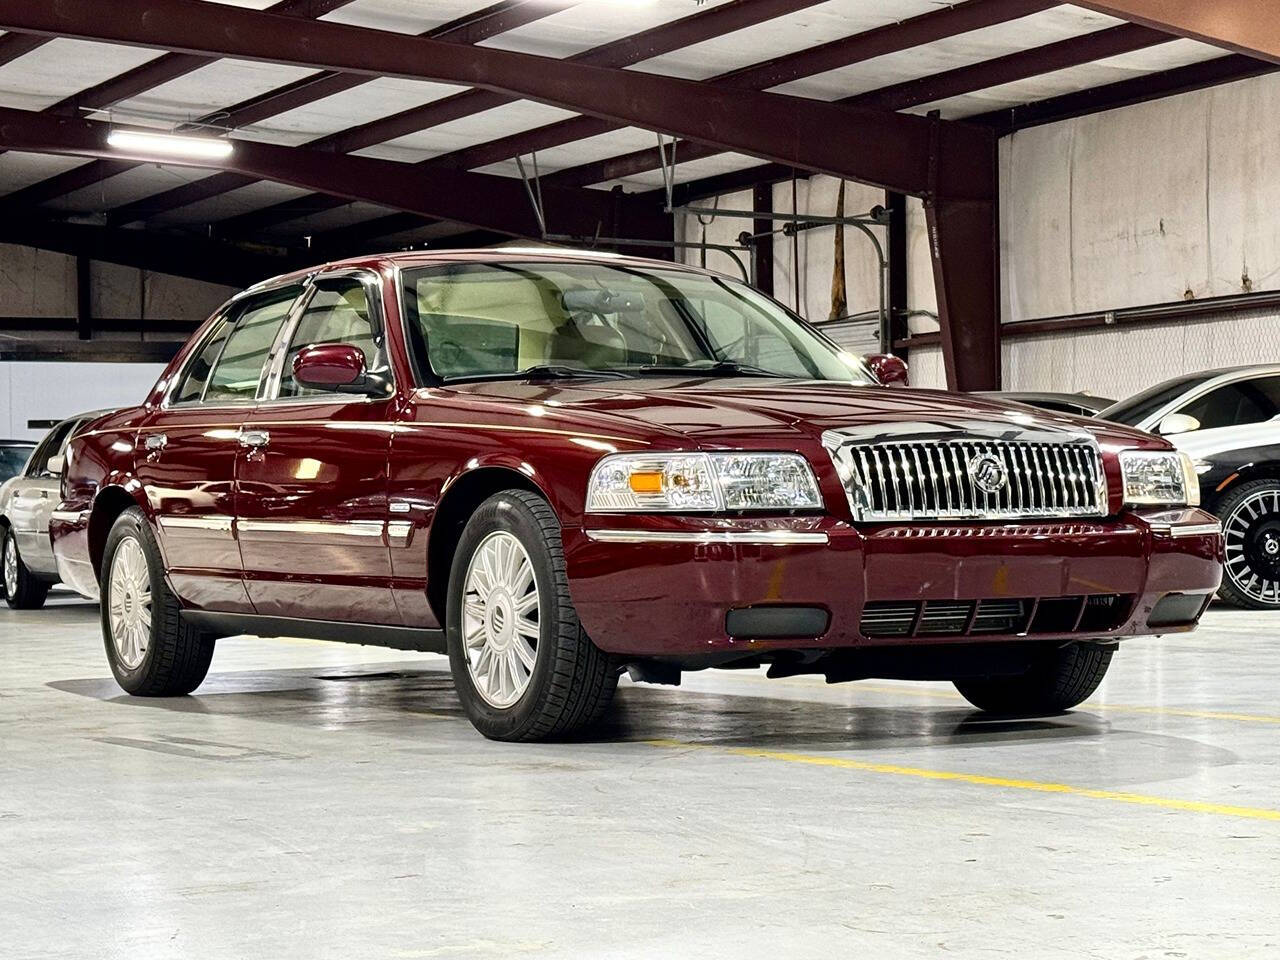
x: 601, y: 302
x: 889, y: 370
x: 55, y: 465
x: 1178, y: 423
x: 338, y: 367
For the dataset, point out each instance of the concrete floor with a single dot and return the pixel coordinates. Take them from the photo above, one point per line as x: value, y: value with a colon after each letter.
x: 318, y: 800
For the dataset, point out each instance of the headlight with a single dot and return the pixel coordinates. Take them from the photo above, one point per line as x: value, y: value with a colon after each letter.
x: 694, y: 482
x: 1159, y: 477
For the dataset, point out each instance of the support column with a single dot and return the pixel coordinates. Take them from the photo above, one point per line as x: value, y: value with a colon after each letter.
x: 84, y: 297
x: 762, y: 249
x: 896, y: 252
x: 964, y: 247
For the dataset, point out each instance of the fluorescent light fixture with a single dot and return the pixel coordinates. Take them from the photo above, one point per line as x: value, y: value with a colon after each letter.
x: 169, y: 144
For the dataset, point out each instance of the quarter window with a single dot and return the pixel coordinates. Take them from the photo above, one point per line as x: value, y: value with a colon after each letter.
x: 238, y: 370
x: 340, y: 312
x: 197, y: 374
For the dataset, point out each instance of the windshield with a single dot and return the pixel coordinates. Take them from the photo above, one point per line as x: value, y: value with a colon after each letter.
x: 1137, y: 408
x: 12, y: 460
x: 476, y: 321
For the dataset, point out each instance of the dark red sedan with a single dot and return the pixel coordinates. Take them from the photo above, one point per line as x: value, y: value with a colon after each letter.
x: 559, y: 466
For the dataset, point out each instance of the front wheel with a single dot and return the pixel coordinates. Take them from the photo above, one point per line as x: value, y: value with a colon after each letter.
x: 153, y: 652
x: 1059, y: 679
x: 1251, y: 529
x: 22, y: 591
x: 522, y: 665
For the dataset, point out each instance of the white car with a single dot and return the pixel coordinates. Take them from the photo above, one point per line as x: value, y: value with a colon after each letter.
x: 26, y: 503
x: 1228, y: 422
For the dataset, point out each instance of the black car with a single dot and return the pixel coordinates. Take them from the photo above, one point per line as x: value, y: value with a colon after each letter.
x: 1228, y: 421
x: 1079, y: 404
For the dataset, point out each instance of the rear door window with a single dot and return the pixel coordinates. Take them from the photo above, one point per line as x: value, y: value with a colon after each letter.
x: 239, y: 367
x: 196, y: 376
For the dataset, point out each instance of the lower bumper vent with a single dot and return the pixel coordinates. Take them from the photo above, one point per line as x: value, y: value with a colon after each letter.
x: 1098, y: 613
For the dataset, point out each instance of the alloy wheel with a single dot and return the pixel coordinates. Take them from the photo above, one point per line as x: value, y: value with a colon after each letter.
x: 130, y: 603
x: 1252, y: 534
x: 500, y: 619
x: 10, y: 567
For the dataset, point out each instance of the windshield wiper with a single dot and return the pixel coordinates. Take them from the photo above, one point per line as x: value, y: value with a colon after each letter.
x: 543, y: 371
x: 721, y: 368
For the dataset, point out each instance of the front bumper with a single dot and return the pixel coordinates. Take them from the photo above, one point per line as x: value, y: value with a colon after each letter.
x: 649, y: 586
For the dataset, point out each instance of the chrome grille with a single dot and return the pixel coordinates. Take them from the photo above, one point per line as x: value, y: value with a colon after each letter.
x: 932, y: 479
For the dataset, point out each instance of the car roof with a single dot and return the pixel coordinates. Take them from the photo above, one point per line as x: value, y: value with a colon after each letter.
x: 17, y: 443
x: 419, y: 258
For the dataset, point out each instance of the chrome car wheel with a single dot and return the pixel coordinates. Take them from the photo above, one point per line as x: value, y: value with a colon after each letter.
x: 130, y: 603
x: 10, y: 567
x: 500, y: 619
x: 1252, y: 534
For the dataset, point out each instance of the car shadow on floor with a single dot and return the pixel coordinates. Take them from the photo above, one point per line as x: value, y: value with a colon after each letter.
x: 408, y: 701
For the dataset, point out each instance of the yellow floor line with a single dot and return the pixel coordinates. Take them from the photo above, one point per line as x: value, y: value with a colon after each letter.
x: 843, y: 763
x: 932, y: 694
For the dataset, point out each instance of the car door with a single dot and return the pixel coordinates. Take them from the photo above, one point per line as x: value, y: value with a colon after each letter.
x: 186, y: 451
x: 34, y: 496
x: 312, y: 476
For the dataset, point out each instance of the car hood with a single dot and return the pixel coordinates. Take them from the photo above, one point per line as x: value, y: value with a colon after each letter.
x: 730, y: 411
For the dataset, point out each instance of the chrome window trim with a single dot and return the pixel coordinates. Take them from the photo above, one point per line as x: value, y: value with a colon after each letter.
x: 269, y: 389
x: 759, y: 537
x: 168, y: 403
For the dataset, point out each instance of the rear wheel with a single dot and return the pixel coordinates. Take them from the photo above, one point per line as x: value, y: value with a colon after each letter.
x: 22, y: 590
x: 1060, y: 678
x: 1251, y: 528
x: 153, y: 652
x: 522, y: 665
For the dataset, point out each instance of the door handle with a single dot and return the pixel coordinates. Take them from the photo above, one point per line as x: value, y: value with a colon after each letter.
x: 254, y: 439
x: 156, y: 441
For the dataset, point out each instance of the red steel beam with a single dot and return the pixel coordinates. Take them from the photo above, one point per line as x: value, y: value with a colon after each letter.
x: 855, y: 48
x: 1123, y: 93
x: 896, y: 151
x: 1245, y: 26
x: 1071, y: 52
x: 989, y: 73
x: 487, y: 202
x: 626, y: 52
x: 144, y: 77
x: 485, y: 23
x: 650, y: 43
x: 15, y: 45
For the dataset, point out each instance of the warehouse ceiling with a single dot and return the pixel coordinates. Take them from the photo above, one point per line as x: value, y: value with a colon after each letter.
x: 999, y: 63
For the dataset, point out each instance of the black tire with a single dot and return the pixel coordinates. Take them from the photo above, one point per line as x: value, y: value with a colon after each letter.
x: 1251, y: 525
x: 572, y: 681
x: 1062, y: 678
x: 29, y: 591
x: 177, y: 656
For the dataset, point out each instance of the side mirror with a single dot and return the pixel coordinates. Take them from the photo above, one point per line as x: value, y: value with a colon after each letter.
x: 55, y: 465
x: 337, y: 367
x: 1177, y: 423
x: 889, y: 370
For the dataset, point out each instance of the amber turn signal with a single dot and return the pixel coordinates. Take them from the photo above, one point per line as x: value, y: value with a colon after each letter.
x: 646, y: 482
